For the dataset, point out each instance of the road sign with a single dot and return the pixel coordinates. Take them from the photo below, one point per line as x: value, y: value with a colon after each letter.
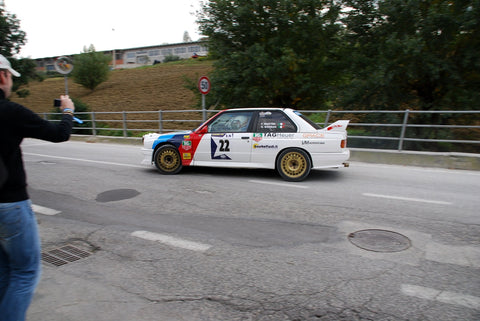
x: 204, y: 85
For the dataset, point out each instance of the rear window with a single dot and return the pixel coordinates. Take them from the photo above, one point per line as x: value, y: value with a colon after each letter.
x: 308, y: 120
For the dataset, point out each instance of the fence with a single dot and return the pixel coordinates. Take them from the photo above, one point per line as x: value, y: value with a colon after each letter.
x: 401, y: 130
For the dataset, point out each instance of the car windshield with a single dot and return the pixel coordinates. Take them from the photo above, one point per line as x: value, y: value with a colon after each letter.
x: 311, y: 122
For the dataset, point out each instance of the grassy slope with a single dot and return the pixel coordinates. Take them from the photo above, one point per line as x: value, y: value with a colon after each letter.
x: 159, y: 87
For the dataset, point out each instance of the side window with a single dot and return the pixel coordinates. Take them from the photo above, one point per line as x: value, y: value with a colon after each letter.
x: 274, y: 122
x: 231, y: 122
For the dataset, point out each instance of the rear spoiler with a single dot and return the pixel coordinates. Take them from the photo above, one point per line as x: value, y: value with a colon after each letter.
x: 338, y: 126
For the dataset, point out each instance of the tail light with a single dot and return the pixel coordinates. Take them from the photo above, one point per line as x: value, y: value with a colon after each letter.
x: 343, y: 143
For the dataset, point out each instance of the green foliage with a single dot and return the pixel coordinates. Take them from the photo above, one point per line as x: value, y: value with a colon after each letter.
x: 272, y: 53
x: 22, y: 93
x: 412, y: 54
x: 171, y: 58
x: 91, y: 68
x: 11, y: 37
x: 26, y: 67
x: 358, y: 54
x: 11, y: 41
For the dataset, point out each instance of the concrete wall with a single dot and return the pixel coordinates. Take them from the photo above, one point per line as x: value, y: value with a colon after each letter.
x: 422, y: 159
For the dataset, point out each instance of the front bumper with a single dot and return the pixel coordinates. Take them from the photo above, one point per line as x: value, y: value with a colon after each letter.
x: 147, y: 156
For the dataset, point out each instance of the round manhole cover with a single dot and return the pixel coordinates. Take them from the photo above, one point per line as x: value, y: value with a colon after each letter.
x: 379, y: 240
x: 116, y: 195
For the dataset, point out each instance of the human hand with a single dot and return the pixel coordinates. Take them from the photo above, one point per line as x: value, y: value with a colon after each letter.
x: 66, y: 104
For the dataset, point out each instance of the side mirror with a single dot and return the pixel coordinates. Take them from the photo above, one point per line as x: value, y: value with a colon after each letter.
x: 202, y: 130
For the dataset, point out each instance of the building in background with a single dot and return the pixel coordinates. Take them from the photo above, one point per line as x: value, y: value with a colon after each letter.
x: 140, y: 56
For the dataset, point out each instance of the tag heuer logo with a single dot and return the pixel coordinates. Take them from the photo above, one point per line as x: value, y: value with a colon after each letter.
x: 257, y: 137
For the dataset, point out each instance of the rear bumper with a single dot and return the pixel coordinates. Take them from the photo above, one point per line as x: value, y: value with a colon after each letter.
x: 328, y: 160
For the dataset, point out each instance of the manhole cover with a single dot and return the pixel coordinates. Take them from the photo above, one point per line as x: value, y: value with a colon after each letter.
x: 64, y: 255
x: 117, y: 195
x: 379, y: 240
x: 47, y: 163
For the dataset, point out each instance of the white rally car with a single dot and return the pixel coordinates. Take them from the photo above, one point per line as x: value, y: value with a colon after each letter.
x: 275, y: 138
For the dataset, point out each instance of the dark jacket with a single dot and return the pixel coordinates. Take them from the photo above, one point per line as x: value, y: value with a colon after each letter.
x: 17, y: 123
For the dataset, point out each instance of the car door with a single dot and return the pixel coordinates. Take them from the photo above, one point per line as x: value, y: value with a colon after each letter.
x: 228, y: 139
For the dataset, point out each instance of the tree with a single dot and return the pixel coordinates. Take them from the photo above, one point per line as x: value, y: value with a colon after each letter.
x: 11, y: 37
x: 91, y: 68
x: 413, y: 54
x: 272, y: 53
x: 11, y: 41
x: 186, y: 37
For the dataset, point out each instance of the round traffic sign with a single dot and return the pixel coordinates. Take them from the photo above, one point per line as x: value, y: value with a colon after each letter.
x: 204, y: 85
x: 63, y: 65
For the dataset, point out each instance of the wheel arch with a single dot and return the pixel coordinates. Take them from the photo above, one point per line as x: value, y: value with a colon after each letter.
x: 291, y: 147
x: 160, y: 145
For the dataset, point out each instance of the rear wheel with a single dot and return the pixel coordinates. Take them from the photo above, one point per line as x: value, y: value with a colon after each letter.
x: 293, y: 165
x: 167, y: 160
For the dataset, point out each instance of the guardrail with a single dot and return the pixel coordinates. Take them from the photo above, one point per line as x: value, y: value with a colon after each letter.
x: 398, y: 130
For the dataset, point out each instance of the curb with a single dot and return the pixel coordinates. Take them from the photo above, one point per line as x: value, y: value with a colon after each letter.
x: 421, y: 159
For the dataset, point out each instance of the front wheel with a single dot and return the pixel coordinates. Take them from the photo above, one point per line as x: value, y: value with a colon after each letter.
x: 167, y: 160
x: 293, y: 165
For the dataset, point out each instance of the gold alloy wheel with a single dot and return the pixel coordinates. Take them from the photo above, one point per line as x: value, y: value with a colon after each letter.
x: 167, y: 160
x: 294, y: 164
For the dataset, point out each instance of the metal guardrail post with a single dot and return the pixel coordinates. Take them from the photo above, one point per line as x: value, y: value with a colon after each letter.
x: 327, y: 118
x: 160, y: 121
x: 124, y: 117
x: 94, y: 127
x: 404, y: 128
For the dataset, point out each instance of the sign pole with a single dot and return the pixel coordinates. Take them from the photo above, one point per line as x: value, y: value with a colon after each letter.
x: 204, y: 87
x: 204, y: 110
x: 64, y: 66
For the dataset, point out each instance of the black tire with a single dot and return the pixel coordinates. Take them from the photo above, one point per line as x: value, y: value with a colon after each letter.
x: 167, y: 159
x: 293, y: 164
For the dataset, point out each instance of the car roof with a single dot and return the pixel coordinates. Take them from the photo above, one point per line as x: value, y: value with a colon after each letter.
x: 257, y: 109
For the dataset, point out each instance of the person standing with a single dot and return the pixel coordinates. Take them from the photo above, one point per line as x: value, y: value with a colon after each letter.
x: 20, y: 255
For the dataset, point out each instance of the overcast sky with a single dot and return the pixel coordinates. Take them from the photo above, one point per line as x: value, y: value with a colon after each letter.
x: 63, y: 27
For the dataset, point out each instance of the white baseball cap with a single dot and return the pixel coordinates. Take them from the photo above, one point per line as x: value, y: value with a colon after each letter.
x: 5, y: 64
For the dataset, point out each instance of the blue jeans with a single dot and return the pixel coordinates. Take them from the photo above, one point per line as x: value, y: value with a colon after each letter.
x: 20, y: 259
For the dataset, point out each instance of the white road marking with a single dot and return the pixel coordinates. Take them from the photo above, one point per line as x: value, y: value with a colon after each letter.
x: 277, y: 184
x: 468, y: 301
x: 411, y: 199
x: 85, y: 160
x: 44, y: 210
x: 172, y: 241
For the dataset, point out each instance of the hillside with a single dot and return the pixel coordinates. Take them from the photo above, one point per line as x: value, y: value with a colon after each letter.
x: 158, y: 87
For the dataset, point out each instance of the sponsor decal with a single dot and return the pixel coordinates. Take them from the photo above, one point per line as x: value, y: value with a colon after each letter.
x: 257, y: 137
x: 223, y: 135
x: 268, y: 125
x: 278, y: 135
x: 264, y: 146
x: 335, y: 126
x: 313, y: 135
x: 187, y: 144
x: 265, y: 113
x: 187, y: 156
x: 315, y: 142
x: 186, y: 137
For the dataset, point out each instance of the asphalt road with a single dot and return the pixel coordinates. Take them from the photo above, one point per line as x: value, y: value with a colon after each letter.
x: 368, y: 242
